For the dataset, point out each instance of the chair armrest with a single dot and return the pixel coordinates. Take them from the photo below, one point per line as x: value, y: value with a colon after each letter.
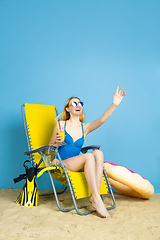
x: 94, y: 147
x: 52, y: 148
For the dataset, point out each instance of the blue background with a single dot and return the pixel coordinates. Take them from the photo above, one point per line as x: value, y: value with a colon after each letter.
x: 51, y: 50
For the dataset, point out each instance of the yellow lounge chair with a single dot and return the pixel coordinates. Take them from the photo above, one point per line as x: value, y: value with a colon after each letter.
x: 39, y: 121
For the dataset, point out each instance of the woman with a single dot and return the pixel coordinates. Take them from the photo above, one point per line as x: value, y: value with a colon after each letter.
x: 76, y: 131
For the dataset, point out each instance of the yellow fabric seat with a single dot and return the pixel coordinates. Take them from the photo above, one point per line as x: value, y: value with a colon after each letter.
x: 80, y: 186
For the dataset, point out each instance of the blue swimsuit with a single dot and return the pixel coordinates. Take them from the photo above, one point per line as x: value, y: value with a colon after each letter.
x: 71, y: 148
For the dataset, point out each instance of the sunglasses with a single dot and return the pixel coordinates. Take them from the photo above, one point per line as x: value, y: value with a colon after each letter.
x: 75, y: 104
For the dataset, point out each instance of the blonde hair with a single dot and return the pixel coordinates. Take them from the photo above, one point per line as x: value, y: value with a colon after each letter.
x: 66, y: 115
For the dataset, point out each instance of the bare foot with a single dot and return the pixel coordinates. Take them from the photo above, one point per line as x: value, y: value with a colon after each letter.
x: 100, y: 208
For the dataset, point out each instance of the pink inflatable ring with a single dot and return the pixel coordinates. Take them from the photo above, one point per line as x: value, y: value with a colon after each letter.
x: 128, y: 182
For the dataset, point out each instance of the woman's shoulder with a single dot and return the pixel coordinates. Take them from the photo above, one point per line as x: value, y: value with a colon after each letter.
x: 85, y: 127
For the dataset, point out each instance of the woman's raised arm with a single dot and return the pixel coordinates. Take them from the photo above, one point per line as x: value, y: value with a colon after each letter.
x: 117, y: 98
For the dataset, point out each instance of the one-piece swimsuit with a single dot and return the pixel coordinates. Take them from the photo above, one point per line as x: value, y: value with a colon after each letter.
x: 71, y: 148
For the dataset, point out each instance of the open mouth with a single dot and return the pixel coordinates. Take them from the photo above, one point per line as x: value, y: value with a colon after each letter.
x: 77, y: 110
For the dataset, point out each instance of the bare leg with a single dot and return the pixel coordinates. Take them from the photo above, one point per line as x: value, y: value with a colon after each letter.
x: 99, y: 158
x: 87, y: 162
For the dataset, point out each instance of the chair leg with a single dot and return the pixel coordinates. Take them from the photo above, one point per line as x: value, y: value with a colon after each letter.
x: 110, y: 190
x: 56, y: 195
x: 73, y: 198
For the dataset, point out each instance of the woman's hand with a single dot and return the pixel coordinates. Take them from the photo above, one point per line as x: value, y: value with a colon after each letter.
x: 118, y: 96
x: 58, y: 140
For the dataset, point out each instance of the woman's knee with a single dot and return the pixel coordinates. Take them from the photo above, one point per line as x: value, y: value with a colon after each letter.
x: 89, y: 157
x: 98, y: 154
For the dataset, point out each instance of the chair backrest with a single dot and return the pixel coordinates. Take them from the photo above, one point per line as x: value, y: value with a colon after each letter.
x: 39, y: 121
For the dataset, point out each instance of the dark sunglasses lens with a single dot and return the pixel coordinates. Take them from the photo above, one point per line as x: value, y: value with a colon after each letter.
x: 74, y: 104
x: 81, y: 104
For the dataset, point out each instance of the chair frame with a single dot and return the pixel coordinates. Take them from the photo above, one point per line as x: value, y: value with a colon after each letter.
x: 54, y: 148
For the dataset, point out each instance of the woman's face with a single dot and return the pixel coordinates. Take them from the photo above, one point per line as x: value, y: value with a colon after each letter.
x: 75, y: 107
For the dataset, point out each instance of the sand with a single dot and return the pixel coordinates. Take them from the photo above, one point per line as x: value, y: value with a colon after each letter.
x: 132, y: 219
